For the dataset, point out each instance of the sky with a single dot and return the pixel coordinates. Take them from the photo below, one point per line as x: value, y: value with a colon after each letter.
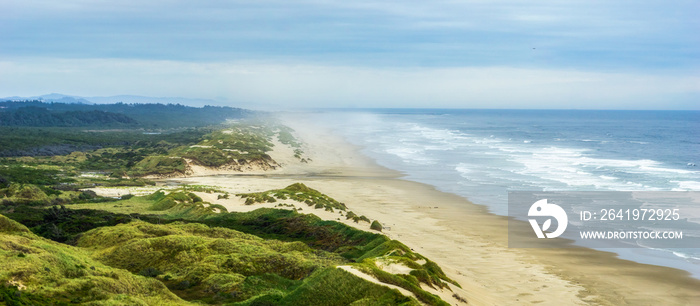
x: 571, y: 54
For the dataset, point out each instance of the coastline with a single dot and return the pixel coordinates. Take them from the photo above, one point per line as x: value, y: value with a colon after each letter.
x: 466, y: 240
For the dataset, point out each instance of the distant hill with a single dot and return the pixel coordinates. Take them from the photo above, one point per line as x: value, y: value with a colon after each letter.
x: 152, y: 116
x: 53, y: 97
x: 129, y: 99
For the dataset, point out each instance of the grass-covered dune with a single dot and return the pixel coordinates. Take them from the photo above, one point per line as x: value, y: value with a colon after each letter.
x: 37, y: 271
x: 233, y: 146
x: 217, y: 265
x: 140, y: 263
x: 203, y: 254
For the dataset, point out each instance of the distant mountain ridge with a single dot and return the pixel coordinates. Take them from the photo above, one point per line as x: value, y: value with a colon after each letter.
x: 61, y: 98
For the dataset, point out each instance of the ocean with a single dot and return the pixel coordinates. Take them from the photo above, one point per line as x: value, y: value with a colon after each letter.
x: 483, y: 154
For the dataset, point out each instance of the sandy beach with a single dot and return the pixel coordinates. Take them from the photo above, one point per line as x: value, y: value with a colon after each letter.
x: 467, y: 241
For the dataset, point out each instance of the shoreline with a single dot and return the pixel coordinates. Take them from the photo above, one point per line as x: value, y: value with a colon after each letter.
x: 464, y: 238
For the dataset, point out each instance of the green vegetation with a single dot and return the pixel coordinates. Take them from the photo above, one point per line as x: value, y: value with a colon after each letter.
x: 279, y: 256
x: 38, y: 116
x: 57, y: 179
x: 376, y: 226
x: 297, y: 192
x: 214, y: 263
x: 61, y: 244
x: 237, y: 145
x: 159, y: 165
x: 37, y: 113
x: 36, y: 141
x: 49, y: 273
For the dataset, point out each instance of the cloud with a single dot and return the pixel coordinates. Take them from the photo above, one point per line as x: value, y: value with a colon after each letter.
x: 442, y: 53
x: 312, y: 85
x: 572, y: 34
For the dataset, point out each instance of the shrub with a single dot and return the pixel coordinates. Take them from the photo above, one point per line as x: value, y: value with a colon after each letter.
x: 350, y: 215
x: 195, y: 198
x: 183, y: 285
x: 376, y: 226
x: 88, y: 194
x: 150, y: 272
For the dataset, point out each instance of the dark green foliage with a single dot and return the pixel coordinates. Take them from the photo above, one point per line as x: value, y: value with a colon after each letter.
x: 376, y: 226
x: 23, y: 174
x: 195, y: 198
x: 11, y: 296
x: 63, y: 225
x: 39, y: 116
x: 28, y: 141
x: 150, y: 272
x: 289, y: 225
x: 223, y: 196
x: 118, y: 114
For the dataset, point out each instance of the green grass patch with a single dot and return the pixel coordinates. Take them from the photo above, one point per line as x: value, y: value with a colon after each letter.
x: 297, y: 192
x: 200, y: 260
x: 51, y: 273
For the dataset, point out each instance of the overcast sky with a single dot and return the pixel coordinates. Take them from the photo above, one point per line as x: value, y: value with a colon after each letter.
x: 464, y: 54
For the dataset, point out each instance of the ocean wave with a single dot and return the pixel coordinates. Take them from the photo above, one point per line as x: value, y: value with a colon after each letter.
x: 688, y: 185
x: 411, y: 155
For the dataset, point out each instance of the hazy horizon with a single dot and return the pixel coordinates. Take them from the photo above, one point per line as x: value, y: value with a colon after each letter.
x: 322, y: 54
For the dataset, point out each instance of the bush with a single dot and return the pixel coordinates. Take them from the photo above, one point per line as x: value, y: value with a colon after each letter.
x: 150, y: 272
x: 87, y: 195
x: 376, y: 226
x: 195, y: 198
